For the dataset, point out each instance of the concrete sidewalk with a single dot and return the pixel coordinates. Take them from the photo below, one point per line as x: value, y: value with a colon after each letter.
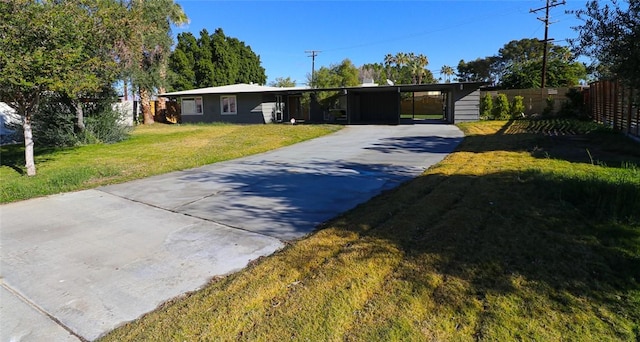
x: 77, y: 265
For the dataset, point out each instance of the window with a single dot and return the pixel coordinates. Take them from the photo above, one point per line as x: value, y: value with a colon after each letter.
x: 228, y: 105
x: 192, y: 106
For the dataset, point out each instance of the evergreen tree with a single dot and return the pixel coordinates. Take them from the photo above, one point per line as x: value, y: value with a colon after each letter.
x: 182, y: 69
x: 204, y: 68
x: 213, y: 60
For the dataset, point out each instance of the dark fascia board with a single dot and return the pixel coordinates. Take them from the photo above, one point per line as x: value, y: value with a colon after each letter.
x: 404, y: 87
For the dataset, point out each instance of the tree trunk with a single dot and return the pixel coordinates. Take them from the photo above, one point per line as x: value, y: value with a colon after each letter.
x: 161, y: 106
x: 79, y: 116
x: 162, y: 100
x: 145, y: 103
x: 28, y: 146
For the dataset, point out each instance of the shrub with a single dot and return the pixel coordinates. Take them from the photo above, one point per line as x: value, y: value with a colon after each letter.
x: 486, y: 106
x: 517, y: 107
x: 501, y: 109
x: 549, y: 109
x: 54, y: 123
x: 574, y: 106
x: 105, y: 126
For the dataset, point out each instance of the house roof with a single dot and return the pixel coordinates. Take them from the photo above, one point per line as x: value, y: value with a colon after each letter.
x: 233, y: 89
x: 254, y: 88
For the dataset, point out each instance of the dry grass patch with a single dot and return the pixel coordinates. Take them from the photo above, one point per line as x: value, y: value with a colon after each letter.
x: 497, y: 242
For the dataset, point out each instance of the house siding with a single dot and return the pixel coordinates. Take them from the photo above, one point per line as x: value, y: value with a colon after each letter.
x: 466, y: 105
x: 249, y: 108
x: 365, y: 105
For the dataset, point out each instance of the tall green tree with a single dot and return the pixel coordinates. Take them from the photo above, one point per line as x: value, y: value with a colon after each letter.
x: 520, y: 62
x: 344, y: 74
x: 478, y: 70
x: 97, y: 34
x: 213, y: 60
x: 609, y: 35
x: 518, y: 65
x: 281, y: 82
x: 182, y: 65
x: 562, y: 71
x: 46, y: 46
x: 204, y: 67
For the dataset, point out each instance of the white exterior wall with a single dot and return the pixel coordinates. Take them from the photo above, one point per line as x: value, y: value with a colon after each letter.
x: 8, y: 118
x: 125, y: 109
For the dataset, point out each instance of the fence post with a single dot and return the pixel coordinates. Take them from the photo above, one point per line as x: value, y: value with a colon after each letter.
x: 596, y: 101
x: 612, y: 101
x: 629, y: 112
x: 601, y: 98
x: 616, y: 106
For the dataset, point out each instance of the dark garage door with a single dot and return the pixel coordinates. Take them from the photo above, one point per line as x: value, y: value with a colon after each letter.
x: 376, y: 107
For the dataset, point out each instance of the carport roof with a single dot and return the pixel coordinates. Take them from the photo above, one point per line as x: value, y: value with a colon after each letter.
x: 415, y: 87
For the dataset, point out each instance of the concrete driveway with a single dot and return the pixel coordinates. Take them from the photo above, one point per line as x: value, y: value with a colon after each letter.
x: 77, y: 265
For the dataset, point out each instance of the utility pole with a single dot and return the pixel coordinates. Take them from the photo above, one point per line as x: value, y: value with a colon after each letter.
x: 313, y: 54
x: 550, y: 4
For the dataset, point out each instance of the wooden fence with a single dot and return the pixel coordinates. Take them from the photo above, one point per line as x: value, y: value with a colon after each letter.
x: 616, y: 105
x: 169, y: 114
x: 534, y: 100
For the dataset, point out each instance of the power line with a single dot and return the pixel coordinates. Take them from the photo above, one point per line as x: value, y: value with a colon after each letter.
x: 545, y: 20
x: 313, y: 54
x: 466, y: 21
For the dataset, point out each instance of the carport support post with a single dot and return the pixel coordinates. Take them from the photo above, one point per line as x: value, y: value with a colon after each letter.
x: 413, y: 105
x: 399, y: 103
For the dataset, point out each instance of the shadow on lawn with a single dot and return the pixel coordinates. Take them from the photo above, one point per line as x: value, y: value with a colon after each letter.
x: 569, y: 235
x: 13, y: 156
x: 490, y: 230
x: 600, y: 146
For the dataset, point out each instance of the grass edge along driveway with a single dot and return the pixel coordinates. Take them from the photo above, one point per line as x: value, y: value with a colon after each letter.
x: 529, y: 231
x: 150, y: 150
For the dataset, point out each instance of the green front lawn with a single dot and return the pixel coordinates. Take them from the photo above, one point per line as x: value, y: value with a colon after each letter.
x: 151, y: 150
x: 529, y: 231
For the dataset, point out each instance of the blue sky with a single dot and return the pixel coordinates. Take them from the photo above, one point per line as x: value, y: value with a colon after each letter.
x: 365, y: 31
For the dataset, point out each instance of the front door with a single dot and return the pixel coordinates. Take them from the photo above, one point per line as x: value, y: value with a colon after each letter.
x: 295, y: 108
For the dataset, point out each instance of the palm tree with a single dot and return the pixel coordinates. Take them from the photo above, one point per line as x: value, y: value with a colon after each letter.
x: 401, y: 59
x: 389, y: 60
x: 422, y: 62
x: 448, y: 72
x: 151, y: 44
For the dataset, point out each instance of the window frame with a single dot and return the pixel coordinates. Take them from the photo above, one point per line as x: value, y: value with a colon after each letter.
x: 195, y: 100
x: 235, y: 105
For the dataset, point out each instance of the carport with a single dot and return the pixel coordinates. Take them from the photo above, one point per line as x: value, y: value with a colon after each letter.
x: 459, y: 102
